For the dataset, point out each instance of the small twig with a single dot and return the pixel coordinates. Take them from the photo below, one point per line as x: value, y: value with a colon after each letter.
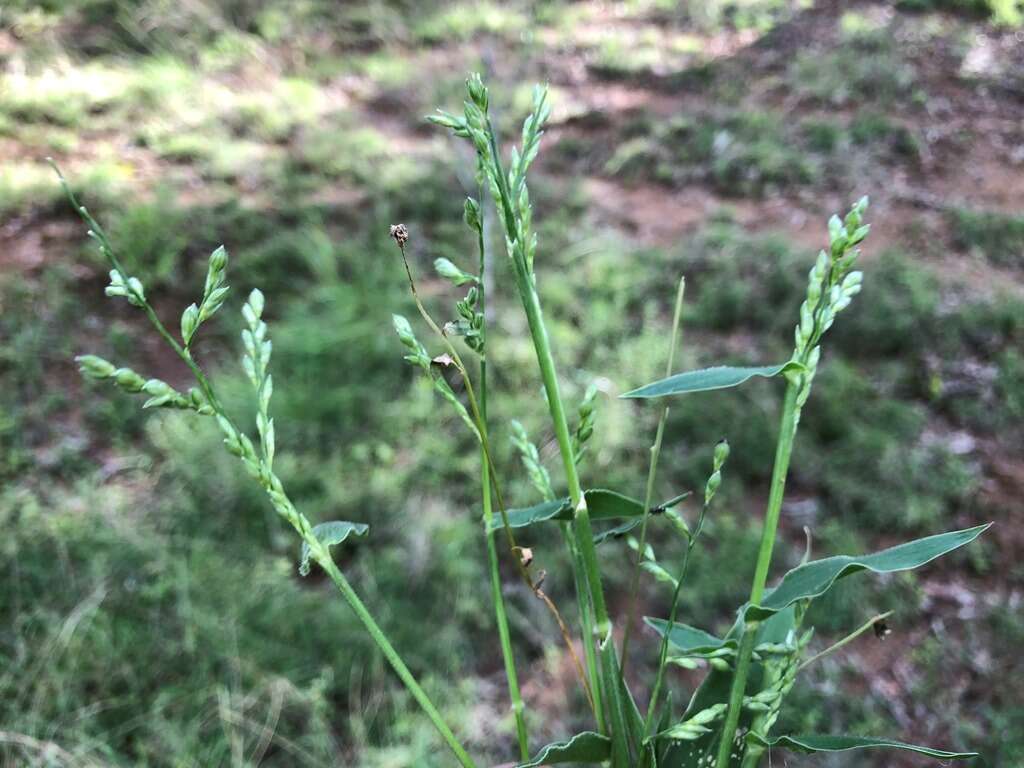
x: 651, y: 474
x: 848, y: 639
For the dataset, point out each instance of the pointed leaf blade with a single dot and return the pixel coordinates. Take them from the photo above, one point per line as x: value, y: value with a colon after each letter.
x: 811, y: 744
x: 718, y: 377
x: 815, y: 578
x: 586, y: 747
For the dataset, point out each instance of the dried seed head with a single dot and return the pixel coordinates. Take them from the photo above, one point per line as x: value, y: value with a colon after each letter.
x: 400, y: 234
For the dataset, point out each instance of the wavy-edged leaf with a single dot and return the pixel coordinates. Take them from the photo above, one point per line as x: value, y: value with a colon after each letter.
x: 618, y: 531
x: 694, y: 641
x: 330, y: 534
x: 601, y: 503
x: 538, y: 513
x: 719, y: 377
x: 687, y: 639
x: 715, y: 689
x: 586, y: 747
x: 811, y: 744
x: 815, y: 578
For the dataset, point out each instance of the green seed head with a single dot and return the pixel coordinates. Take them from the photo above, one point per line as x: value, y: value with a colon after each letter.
x: 95, y: 367
x: 721, y: 453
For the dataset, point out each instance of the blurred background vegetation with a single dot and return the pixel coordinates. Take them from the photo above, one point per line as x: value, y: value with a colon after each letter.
x: 150, y: 610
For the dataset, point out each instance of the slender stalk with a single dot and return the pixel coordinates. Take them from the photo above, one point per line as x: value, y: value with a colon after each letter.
x: 500, y: 615
x: 831, y: 286
x: 327, y: 563
x: 783, y: 452
x: 659, y: 678
x: 584, y: 534
x: 481, y: 427
x: 663, y: 652
x: 648, y: 757
x: 513, y: 210
x: 652, y: 472
x: 608, y: 681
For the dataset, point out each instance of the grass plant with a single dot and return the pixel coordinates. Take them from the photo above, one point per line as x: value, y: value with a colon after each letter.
x: 730, y: 720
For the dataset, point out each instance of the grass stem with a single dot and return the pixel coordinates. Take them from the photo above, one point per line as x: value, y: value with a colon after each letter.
x: 783, y: 453
x: 373, y: 629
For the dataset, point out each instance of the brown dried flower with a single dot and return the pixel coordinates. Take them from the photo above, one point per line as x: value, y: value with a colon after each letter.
x: 400, y: 233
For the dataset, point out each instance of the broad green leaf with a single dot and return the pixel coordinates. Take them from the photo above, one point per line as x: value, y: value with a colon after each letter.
x: 811, y: 744
x: 624, y: 528
x: 719, y: 377
x: 601, y: 503
x: 815, y: 578
x: 330, y: 534
x: 586, y: 747
x: 609, y: 505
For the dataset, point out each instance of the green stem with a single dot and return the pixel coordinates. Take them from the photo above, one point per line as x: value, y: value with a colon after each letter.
x: 648, y: 758
x: 501, y: 618
x: 652, y: 472
x: 327, y: 563
x: 608, y: 679
x: 783, y: 452
x: 498, y: 599
x: 584, y: 534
